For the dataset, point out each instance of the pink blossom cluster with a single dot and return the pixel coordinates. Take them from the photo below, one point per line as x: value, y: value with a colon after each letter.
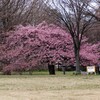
x: 28, y: 47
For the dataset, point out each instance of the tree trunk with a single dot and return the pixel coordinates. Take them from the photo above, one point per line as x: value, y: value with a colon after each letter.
x: 77, y: 59
x: 51, y: 69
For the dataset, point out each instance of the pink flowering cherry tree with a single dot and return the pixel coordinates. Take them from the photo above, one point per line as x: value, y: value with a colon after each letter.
x: 30, y: 48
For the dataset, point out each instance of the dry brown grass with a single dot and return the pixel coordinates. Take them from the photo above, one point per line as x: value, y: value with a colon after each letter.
x: 46, y: 87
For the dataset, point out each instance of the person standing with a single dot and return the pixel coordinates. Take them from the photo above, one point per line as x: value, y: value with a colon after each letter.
x: 64, y: 67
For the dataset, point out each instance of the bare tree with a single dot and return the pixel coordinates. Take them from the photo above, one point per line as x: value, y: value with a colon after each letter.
x: 47, y: 14
x: 94, y: 33
x: 14, y: 12
x: 76, y: 21
x: 95, y: 12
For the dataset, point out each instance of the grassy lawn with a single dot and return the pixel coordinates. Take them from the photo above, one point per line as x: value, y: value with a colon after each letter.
x: 41, y: 86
